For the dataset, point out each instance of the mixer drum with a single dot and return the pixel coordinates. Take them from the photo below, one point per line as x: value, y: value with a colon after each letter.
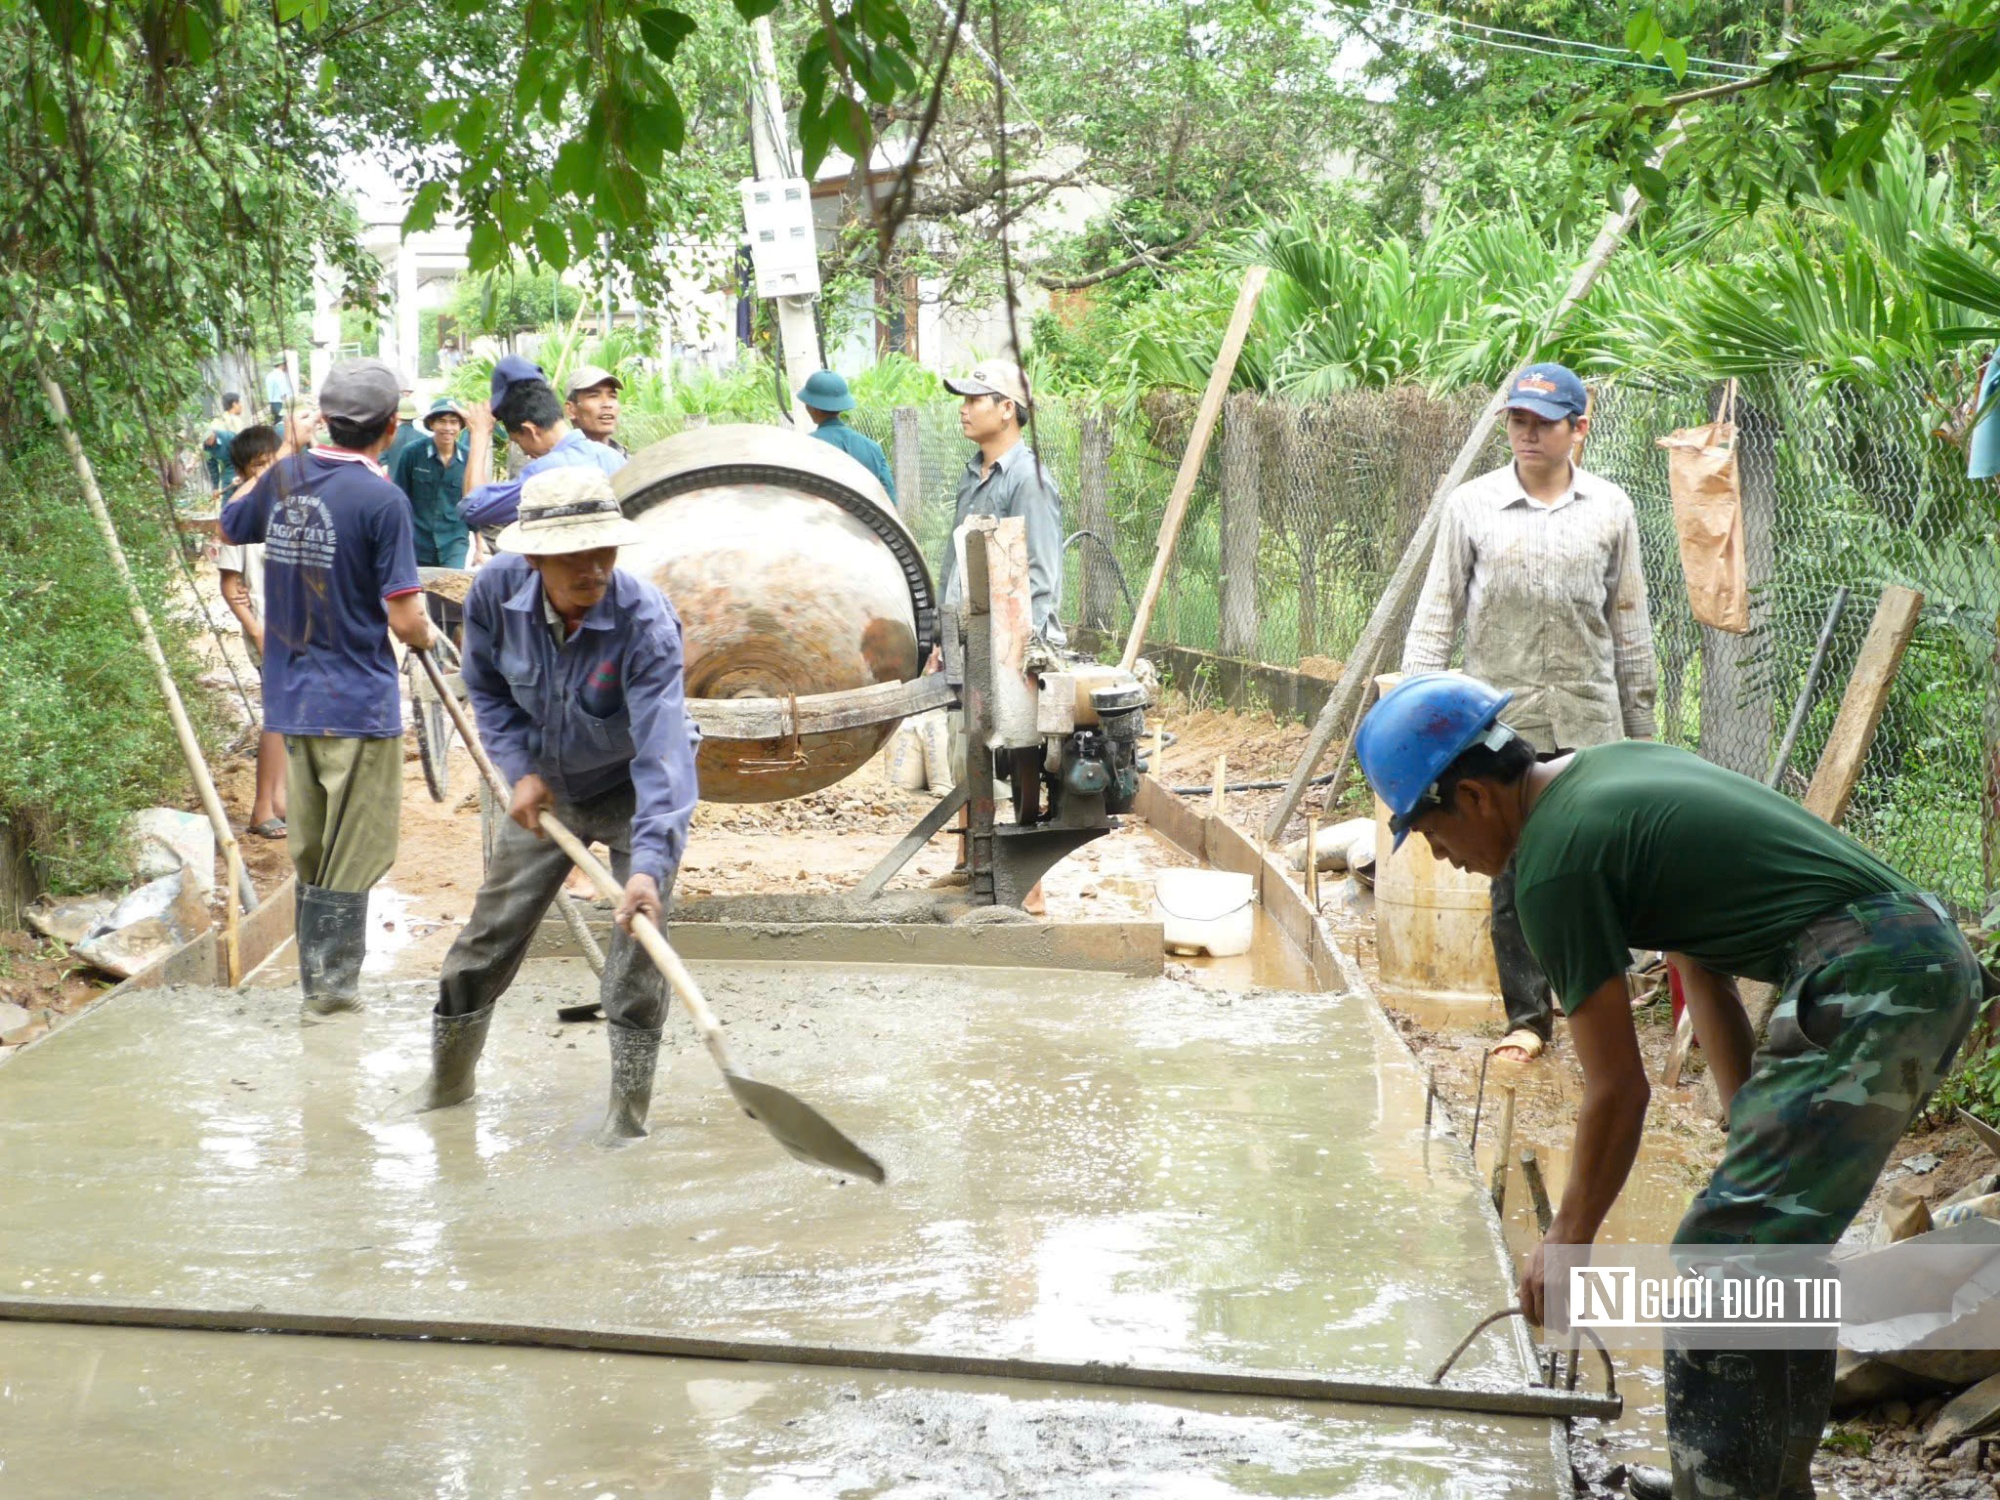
x: 793, y: 576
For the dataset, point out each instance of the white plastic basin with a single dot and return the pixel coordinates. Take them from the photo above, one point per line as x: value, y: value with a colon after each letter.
x: 1205, y: 911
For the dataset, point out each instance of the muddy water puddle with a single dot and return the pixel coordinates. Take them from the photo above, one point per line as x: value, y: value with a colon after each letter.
x: 1081, y: 1167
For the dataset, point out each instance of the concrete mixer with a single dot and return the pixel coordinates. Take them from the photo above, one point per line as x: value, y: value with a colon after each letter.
x: 794, y: 579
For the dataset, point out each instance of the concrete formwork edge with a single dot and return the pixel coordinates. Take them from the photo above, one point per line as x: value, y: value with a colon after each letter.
x: 198, y: 961
x: 1135, y: 948
x: 1220, y: 843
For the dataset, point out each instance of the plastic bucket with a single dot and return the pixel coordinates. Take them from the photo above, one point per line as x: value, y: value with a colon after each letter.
x: 1205, y: 911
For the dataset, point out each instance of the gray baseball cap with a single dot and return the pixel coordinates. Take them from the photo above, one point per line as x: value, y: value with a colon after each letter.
x: 362, y: 391
x: 588, y: 377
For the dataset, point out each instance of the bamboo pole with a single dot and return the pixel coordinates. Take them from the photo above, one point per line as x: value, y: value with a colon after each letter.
x: 1197, y: 450
x: 1343, y: 707
x: 197, y: 764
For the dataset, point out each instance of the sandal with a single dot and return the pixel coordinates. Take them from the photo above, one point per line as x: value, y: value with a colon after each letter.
x: 1523, y: 1040
x: 270, y: 828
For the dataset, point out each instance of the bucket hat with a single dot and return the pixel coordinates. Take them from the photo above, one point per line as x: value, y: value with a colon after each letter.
x: 824, y: 390
x: 444, y: 406
x: 567, y: 510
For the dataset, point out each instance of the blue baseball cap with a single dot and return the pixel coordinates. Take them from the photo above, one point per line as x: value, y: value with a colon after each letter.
x: 512, y: 370
x: 1551, y: 391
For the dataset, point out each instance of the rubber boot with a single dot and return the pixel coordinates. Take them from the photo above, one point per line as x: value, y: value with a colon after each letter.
x: 332, y: 937
x: 635, y: 1052
x: 456, y: 1042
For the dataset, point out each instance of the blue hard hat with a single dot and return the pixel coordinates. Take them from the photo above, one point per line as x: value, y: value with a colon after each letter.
x: 1423, y: 724
x: 824, y: 390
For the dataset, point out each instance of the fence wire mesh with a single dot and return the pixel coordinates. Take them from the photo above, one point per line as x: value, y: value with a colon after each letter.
x: 1302, y: 511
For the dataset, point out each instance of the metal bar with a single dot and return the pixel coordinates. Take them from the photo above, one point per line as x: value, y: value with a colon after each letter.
x: 926, y: 830
x: 1479, y: 1105
x: 1804, y: 706
x: 1292, y: 1386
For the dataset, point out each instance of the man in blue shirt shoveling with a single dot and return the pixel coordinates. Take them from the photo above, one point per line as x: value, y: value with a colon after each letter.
x: 574, y: 671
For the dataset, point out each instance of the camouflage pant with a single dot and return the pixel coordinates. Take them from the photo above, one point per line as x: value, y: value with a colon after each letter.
x: 1877, y: 998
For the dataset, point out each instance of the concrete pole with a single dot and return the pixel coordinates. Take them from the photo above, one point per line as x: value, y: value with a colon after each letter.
x: 771, y: 145
x: 325, y: 331
x: 406, y: 314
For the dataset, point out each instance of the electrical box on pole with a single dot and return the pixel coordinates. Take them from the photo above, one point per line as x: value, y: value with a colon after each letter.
x: 784, y: 253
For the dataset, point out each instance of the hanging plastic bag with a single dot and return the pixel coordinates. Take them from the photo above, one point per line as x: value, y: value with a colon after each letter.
x: 1708, y: 515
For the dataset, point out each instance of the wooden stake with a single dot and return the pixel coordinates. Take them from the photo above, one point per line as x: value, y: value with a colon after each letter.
x: 1677, y: 1055
x: 1861, y: 706
x: 1218, y: 804
x: 1503, y: 1144
x: 232, y: 943
x: 1538, y: 1192
x: 197, y: 764
x: 1343, y: 707
x: 1197, y: 450
x: 1312, y: 858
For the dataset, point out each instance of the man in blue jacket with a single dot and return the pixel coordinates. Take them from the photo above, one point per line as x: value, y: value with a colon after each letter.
x: 574, y: 670
x: 524, y: 404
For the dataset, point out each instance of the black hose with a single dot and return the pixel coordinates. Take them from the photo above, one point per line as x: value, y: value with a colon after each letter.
x: 1119, y: 573
x: 1247, y: 786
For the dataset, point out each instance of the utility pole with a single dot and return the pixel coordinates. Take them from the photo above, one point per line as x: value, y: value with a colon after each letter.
x: 798, y: 333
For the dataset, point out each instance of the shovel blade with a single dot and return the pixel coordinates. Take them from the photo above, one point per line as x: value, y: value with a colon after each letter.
x: 801, y: 1129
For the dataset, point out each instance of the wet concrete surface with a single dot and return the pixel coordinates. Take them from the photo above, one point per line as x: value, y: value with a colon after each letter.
x: 1081, y: 1167
x: 187, y: 1414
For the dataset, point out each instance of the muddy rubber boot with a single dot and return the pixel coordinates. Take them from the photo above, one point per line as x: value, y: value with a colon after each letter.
x: 635, y: 1052
x: 456, y: 1042
x: 332, y: 937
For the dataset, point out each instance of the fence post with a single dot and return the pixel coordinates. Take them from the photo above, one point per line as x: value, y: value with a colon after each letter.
x: 1737, y: 720
x: 1098, y: 588
x: 908, y: 438
x: 1241, y: 499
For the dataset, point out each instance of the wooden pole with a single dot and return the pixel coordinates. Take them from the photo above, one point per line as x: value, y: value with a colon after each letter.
x: 1312, y: 859
x: 197, y: 763
x: 1839, y: 769
x: 1197, y: 450
x: 1218, y: 803
x: 1343, y: 708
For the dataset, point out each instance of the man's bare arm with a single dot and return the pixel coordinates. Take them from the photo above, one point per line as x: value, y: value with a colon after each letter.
x: 1720, y: 1022
x: 410, y: 623
x: 1608, y: 1125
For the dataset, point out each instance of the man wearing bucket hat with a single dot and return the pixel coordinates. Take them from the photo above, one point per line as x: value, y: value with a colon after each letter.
x: 574, y: 671
x: 340, y: 575
x: 591, y: 404
x: 1540, y: 562
x: 523, y: 404
x: 432, y: 474
x: 825, y: 396
x: 1635, y: 845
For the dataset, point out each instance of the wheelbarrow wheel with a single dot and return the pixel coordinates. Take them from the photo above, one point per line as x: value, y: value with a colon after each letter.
x: 433, y: 724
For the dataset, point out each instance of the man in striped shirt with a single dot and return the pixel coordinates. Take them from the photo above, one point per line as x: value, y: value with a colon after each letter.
x: 1539, y: 561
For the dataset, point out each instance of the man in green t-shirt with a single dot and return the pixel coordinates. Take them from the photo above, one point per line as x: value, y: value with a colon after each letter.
x: 1638, y: 845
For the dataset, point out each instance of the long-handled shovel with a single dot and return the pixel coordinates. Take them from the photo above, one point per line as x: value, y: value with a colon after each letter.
x: 798, y: 1127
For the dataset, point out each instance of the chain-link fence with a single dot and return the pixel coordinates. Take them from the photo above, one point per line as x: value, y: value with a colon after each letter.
x: 1303, y: 511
